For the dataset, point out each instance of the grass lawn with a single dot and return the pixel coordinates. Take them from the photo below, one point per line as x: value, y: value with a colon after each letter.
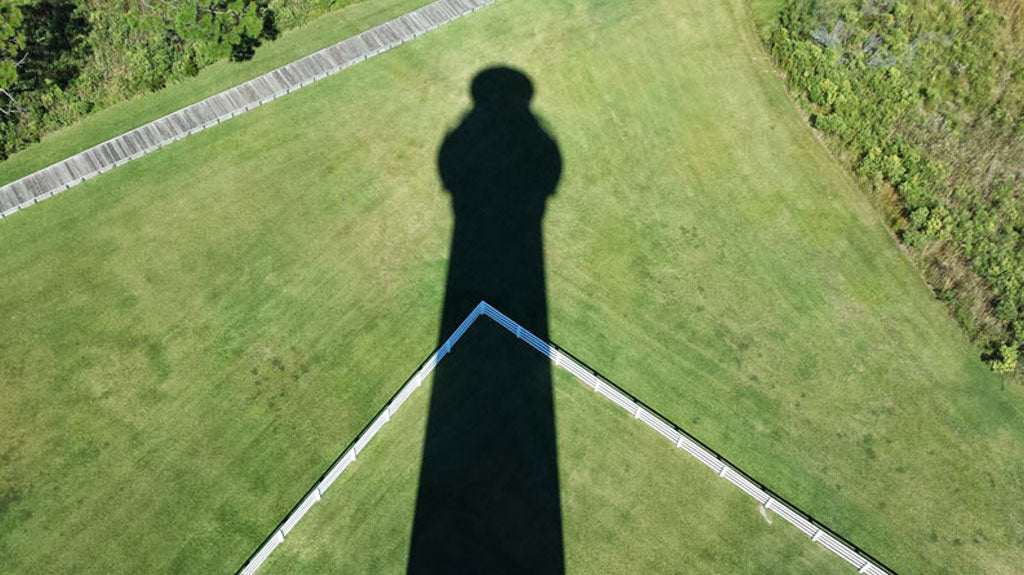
x: 631, y: 503
x: 187, y: 341
x: 357, y: 16
x: 765, y: 13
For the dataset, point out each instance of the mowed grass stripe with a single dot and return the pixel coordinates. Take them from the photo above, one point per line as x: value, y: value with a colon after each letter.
x: 189, y: 341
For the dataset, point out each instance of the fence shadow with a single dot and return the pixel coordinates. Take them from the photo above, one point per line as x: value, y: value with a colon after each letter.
x: 488, y: 497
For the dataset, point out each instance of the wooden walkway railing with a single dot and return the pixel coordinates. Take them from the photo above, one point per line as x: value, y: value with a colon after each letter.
x: 60, y: 176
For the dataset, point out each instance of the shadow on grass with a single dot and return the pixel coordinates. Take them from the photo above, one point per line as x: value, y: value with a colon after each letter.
x: 488, y: 497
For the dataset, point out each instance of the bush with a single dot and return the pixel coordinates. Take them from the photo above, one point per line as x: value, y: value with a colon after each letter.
x: 926, y: 97
x: 1007, y: 362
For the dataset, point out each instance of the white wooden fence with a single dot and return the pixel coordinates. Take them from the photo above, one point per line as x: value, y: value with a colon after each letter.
x: 58, y: 177
x: 634, y: 407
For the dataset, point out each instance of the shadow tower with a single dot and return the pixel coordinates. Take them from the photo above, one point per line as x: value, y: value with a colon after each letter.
x: 488, y: 497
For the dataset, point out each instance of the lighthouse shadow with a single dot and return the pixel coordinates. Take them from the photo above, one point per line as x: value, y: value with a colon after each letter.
x: 488, y: 498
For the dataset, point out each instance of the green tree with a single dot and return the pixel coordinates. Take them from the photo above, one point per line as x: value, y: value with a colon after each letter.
x: 12, y: 41
x: 213, y: 27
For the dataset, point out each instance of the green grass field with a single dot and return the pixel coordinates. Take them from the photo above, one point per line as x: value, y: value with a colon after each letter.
x: 189, y: 340
x: 631, y: 503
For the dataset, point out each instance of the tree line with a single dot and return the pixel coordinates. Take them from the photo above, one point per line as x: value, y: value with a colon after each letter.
x: 924, y: 99
x: 63, y: 59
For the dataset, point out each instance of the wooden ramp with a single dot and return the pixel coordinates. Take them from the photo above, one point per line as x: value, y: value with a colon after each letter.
x: 60, y: 176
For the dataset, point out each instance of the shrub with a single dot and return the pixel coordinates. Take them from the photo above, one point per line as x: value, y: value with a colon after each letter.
x: 926, y: 97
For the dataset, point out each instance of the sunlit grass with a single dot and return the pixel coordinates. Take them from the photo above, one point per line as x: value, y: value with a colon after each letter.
x: 631, y: 503
x: 189, y: 340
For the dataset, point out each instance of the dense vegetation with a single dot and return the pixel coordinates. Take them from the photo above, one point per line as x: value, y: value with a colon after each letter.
x: 62, y: 59
x: 925, y: 99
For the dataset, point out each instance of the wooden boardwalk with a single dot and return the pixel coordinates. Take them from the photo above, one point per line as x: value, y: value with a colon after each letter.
x: 226, y: 105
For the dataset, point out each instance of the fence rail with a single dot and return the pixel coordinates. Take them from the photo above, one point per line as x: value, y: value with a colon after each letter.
x: 58, y: 177
x: 818, y: 533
